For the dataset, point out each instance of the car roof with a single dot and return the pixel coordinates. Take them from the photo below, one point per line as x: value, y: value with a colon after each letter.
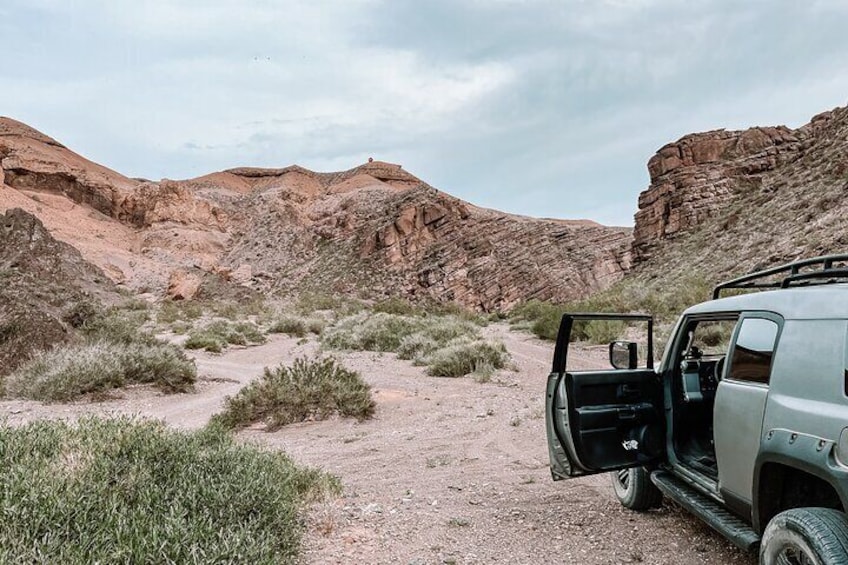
x: 801, y: 303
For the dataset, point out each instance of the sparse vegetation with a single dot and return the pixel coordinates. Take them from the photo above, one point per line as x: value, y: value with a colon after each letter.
x: 111, y: 350
x: 463, y: 357
x: 216, y: 336
x: 309, y: 303
x: 449, y: 346
x: 130, y: 491
x: 66, y: 373
x: 632, y: 295
x: 309, y: 389
x: 297, y: 326
x: 182, y: 310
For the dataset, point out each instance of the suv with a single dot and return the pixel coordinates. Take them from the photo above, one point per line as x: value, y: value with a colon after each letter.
x: 744, y: 423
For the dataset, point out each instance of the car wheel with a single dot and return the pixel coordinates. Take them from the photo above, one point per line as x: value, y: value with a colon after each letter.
x: 634, y: 489
x: 806, y: 536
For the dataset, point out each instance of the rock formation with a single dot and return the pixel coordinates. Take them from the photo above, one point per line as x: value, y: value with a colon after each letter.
x: 727, y: 202
x: 41, y: 279
x: 375, y: 229
x: 695, y: 177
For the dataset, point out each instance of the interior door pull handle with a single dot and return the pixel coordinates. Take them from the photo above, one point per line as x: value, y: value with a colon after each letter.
x: 627, y: 390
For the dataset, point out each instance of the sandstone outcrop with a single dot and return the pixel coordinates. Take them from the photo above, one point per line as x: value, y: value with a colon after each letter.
x: 374, y: 229
x: 32, y: 161
x: 725, y: 203
x: 41, y: 279
x: 693, y: 178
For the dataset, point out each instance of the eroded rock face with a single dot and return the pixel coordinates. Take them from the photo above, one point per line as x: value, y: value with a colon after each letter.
x: 693, y: 178
x: 375, y: 229
x: 32, y: 161
x: 40, y: 279
x: 183, y: 285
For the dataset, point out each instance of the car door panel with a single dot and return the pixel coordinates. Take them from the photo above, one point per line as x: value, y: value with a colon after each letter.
x: 606, y: 420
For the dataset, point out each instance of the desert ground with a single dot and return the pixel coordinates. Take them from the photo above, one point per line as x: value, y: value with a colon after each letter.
x: 448, y: 471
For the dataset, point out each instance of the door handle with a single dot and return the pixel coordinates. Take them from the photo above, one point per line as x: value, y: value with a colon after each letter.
x: 627, y: 390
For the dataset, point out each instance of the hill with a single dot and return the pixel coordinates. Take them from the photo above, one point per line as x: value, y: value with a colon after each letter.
x: 723, y: 203
x: 42, y: 280
x: 375, y: 230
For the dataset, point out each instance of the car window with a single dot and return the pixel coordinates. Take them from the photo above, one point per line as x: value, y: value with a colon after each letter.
x: 712, y: 337
x: 753, y: 351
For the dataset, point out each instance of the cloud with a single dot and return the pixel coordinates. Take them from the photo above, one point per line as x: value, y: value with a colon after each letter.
x: 539, y: 107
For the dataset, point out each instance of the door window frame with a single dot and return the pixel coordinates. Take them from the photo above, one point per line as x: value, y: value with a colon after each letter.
x: 757, y: 315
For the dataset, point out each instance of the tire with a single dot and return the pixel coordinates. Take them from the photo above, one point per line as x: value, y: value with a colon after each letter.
x: 634, y: 489
x: 802, y: 536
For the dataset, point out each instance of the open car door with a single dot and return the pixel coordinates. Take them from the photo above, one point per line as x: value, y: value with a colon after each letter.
x: 603, y: 420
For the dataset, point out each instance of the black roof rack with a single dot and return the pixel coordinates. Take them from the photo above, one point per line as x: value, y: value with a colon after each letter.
x: 806, y: 272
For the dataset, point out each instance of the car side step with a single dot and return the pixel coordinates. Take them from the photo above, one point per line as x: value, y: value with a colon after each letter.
x: 711, y: 512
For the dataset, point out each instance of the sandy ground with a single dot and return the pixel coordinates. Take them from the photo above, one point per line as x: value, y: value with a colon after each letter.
x: 449, y: 470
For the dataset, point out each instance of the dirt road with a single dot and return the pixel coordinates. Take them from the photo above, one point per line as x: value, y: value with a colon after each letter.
x: 449, y: 470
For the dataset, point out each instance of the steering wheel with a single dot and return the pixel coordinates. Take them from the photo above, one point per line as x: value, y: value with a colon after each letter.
x: 718, y: 369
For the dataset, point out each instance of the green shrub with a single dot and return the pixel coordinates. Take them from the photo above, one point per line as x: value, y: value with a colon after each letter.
x: 397, y: 306
x: 216, y: 335
x: 445, y: 329
x: 180, y: 310
x: 630, y: 295
x: 238, y: 310
x: 81, y: 313
x: 464, y: 357
x: 483, y: 372
x: 604, y: 331
x: 68, y: 372
x: 308, y: 390
x: 130, y: 491
x: 415, y: 346
x: 119, y: 326
x: 435, y: 341
x: 339, y: 305
x: 290, y: 325
x: 205, y: 341
x: 297, y: 327
x: 134, y: 304
x: 315, y: 325
x: 371, y: 332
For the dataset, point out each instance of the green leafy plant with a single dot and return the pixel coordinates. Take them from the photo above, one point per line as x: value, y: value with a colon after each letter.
x: 309, y: 389
x: 132, y: 491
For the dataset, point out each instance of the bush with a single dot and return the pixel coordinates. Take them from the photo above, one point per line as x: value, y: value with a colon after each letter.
x: 289, y: 325
x: 462, y: 358
x: 435, y: 341
x: 119, y: 326
x: 297, y: 326
x: 130, y: 491
x: 217, y: 335
x: 241, y: 310
x: 630, y: 295
x: 414, y: 347
x: 181, y: 310
x: 309, y: 303
x: 371, y: 332
x: 308, y: 390
x: 68, y: 372
x: 397, y: 306
x: 604, y: 331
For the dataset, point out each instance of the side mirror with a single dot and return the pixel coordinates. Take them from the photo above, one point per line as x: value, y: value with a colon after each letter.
x: 623, y: 355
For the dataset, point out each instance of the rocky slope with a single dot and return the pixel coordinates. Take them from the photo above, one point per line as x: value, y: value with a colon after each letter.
x: 723, y: 203
x: 41, y: 281
x: 375, y: 229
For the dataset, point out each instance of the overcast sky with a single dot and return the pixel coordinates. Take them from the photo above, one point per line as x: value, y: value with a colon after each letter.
x: 539, y: 107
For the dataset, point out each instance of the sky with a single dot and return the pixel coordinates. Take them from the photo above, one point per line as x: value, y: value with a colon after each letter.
x: 548, y: 108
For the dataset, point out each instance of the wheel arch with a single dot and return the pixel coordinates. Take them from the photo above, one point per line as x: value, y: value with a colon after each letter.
x: 783, y: 482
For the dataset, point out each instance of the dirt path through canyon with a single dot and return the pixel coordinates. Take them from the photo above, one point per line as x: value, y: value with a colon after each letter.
x: 448, y: 471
